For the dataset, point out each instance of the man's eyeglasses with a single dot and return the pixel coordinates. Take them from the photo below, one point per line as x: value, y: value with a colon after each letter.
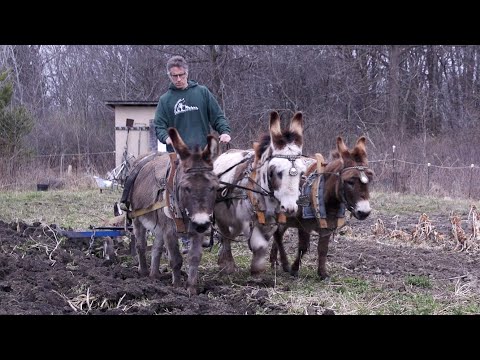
x: 178, y: 76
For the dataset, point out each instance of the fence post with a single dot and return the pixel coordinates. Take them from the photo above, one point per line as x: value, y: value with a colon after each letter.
x: 394, y: 172
x: 61, y: 166
x: 471, y: 178
x: 428, y: 176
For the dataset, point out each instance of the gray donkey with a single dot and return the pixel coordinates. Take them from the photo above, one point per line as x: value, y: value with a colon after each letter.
x: 158, y: 206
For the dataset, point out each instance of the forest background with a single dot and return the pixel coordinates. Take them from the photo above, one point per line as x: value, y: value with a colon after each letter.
x: 418, y: 105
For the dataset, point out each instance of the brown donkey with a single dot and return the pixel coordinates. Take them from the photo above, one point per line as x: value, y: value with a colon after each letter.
x: 192, y: 195
x: 342, y: 183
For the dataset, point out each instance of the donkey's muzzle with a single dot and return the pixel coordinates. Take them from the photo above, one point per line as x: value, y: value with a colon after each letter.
x: 201, y: 228
x: 362, y: 210
x: 361, y: 215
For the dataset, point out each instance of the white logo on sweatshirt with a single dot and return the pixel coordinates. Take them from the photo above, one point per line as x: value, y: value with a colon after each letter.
x: 181, y: 107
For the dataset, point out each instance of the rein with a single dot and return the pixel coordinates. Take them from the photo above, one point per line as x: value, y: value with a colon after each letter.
x: 262, y: 192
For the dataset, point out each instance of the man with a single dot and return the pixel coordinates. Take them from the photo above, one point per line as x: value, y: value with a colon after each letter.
x: 191, y: 109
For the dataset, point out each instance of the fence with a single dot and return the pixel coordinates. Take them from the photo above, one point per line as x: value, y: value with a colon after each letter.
x: 397, y: 175
x: 391, y: 174
x: 25, y: 172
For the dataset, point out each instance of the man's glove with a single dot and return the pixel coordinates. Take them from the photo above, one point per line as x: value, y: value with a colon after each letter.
x: 225, y: 138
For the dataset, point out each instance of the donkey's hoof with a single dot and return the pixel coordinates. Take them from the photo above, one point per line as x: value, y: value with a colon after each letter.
x: 228, y: 269
x: 324, y: 276
x: 155, y: 275
x: 143, y: 273
x: 192, y: 291
x: 256, y: 271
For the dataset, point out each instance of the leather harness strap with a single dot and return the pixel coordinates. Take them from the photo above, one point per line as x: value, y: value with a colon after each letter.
x: 153, y: 207
x: 179, y: 223
x: 253, y: 199
x: 314, y: 194
x: 133, y: 175
x: 281, y: 217
x: 315, y: 199
x: 165, y: 202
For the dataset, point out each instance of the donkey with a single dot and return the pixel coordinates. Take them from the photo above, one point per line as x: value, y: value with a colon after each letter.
x: 345, y: 183
x: 258, y: 190
x: 193, y: 196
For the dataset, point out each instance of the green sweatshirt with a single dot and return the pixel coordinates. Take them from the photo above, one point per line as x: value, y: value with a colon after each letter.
x: 192, y: 111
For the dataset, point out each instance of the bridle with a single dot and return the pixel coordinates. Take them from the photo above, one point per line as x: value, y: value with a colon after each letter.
x: 340, y: 187
x: 200, y: 169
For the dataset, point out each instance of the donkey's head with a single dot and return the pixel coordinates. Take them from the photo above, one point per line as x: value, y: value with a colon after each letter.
x: 195, y: 183
x: 278, y: 156
x: 351, y: 167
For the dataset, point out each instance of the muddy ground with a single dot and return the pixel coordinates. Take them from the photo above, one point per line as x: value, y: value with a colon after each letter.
x: 39, y: 274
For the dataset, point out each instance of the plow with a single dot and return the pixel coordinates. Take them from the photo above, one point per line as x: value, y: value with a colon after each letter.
x: 107, y: 232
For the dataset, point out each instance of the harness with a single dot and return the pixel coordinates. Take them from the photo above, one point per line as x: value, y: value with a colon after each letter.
x: 258, y: 203
x: 312, y: 193
x: 166, y: 184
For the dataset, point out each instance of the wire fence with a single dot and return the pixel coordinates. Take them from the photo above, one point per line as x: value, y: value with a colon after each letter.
x: 392, y: 174
x: 25, y: 172
x: 397, y: 175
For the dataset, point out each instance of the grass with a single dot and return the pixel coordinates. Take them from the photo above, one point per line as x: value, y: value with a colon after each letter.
x: 75, y: 210
x: 420, y: 281
x: 402, y: 204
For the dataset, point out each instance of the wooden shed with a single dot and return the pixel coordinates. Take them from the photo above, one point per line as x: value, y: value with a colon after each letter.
x: 134, y: 130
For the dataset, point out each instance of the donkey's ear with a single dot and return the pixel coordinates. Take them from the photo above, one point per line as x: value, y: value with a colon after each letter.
x: 361, y: 143
x: 180, y: 147
x: 256, y: 150
x: 341, y: 147
x: 359, y: 152
x: 296, y: 124
x: 275, y: 129
x: 211, y: 151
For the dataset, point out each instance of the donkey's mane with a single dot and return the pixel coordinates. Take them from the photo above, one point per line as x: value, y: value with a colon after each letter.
x: 196, y: 149
x: 334, y: 154
x: 287, y: 137
x: 356, y: 155
x: 264, y: 143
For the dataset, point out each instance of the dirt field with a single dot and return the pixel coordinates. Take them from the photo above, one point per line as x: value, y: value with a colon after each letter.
x: 39, y: 274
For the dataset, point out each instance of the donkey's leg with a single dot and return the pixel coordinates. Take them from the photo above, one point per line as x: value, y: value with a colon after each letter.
x: 277, y: 238
x: 225, y: 258
x: 140, y: 233
x: 303, y: 245
x: 157, y: 250
x: 174, y: 256
x: 274, y: 251
x: 277, y: 247
x: 194, y: 258
x: 322, y: 250
x: 259, y: 245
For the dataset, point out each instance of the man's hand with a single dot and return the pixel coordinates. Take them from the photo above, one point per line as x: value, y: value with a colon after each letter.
x: 168, y: 141
x: 225, y: 138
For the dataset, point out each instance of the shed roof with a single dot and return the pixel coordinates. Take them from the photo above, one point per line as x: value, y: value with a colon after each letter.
x: 113, y: 103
